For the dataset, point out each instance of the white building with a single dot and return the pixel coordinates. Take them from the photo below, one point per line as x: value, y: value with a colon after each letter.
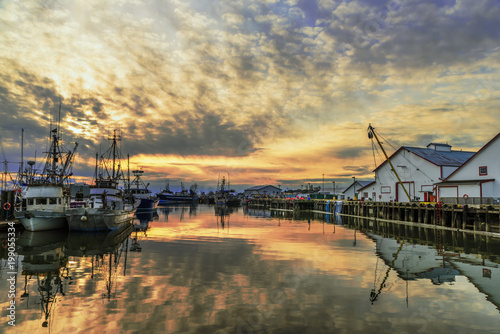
x: 477, y: 181
x: 266, y: 190
x: 419, y: 169
x: 368, y: 192
x: 352, y: 190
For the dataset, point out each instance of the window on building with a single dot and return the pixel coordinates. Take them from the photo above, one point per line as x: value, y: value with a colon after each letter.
x: 365, y: 194
x: 31, y: 201
x: 483, y: 170
x: 52, y: 200
x: 41, y: 201
x: 385, y: 190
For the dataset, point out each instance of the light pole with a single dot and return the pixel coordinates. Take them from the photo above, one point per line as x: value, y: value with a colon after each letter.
x: 354, y: 184
x: 334, y: 192
x: 323, y: 186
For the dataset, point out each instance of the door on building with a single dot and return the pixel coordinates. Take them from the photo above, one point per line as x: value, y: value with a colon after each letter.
x: 400, y: 193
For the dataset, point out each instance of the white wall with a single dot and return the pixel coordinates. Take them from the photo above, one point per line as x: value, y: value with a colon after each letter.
x: 489, y: 158
x: 421, y: 173
x: 447, y: 170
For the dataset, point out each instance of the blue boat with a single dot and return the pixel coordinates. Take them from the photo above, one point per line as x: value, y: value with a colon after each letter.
x: 139, y: 191
x: 166, y: 196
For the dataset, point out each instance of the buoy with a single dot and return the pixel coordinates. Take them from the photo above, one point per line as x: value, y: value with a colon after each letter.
x: 466, y: 196
x: 6, y: 206
x: 83, y: 219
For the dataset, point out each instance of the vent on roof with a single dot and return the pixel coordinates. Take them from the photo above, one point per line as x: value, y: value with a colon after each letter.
x: 439, y: 147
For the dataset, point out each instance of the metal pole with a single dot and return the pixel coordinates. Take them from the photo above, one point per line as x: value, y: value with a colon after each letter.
x: 323, y: 186
x: 354, y: 185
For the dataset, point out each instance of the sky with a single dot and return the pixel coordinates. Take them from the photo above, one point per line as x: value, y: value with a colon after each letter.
x: 274, y: 92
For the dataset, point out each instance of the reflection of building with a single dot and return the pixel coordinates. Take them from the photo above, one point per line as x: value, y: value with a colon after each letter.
x: 484, y: 274
x: 423, y: 262
x: 414, y: 261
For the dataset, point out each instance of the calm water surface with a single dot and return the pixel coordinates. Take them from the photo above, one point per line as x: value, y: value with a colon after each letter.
x: 197, y: 270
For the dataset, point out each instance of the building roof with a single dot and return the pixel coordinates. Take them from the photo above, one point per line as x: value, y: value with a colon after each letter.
x: 261, y: 187
x: 438, y: 158
x: 471, y: 181
x: 368, y: 183
x: 438, y: 144
x: 360, y: 183
x: 475, y: 154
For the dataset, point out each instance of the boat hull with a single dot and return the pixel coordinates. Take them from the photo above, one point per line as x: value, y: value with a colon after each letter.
x: 89, y: 219
x: 168, y: 198
x: 42, y: 220
x: 148, y: 204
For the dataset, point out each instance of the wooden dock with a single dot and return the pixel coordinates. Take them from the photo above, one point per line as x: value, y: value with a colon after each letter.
x: 471, y: 218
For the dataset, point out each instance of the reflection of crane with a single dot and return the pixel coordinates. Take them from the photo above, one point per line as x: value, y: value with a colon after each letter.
x: 374, y: 294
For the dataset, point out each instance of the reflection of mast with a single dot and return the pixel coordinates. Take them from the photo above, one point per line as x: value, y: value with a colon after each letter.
x: 48, y: 288
x: 222, y: 212
x: 112, y: 272
x: 374, y: 294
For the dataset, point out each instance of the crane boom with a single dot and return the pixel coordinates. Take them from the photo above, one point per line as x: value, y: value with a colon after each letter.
x: 371, y: 134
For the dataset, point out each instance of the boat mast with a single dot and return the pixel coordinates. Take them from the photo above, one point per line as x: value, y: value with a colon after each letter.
x: 22, y: 148
x: 371, y: 134
x: 114, y: 152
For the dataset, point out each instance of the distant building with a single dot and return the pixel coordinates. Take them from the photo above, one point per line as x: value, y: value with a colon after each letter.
x: 266, y: 190
x: 367, y: 192
x: 477, y: 181
x: 419, y: 169
x: 352, y: 190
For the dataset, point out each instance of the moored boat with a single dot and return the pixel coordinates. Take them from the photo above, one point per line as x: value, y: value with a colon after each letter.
x: 108, y: 208
x: 139, y: 191
x: 225, y: 196
x: 46, y: 195
x: 184, y: 196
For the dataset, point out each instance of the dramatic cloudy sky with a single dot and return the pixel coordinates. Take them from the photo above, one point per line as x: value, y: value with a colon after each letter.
x: 271, y: 91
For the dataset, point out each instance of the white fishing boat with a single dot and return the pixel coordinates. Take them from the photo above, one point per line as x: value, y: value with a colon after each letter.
x: 108, y: 207
x: 46, y: 195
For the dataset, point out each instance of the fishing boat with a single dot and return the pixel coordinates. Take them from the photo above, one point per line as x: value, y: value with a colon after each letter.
x: 108, y: 207
x: 139, y: 191
x: 225, y: 196
x: 166, y: 196
x: 46, y: 195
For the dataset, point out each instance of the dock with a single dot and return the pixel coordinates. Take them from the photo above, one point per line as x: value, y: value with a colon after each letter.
x: 483, y: 219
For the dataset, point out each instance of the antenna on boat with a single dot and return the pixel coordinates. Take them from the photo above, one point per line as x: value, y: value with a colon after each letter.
x: 59, y: 120
x: 22, y: 148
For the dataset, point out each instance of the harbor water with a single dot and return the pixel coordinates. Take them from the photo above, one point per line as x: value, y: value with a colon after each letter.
x: 203, y: 269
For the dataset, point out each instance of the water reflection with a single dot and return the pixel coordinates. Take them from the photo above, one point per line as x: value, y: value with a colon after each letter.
x: 181, y: 209
x: 44, y: 261
x: 46, y: 264
x: 273, y: 273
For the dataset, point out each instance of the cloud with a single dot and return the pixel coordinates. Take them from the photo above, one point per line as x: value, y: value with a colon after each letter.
x: 282, y: 82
